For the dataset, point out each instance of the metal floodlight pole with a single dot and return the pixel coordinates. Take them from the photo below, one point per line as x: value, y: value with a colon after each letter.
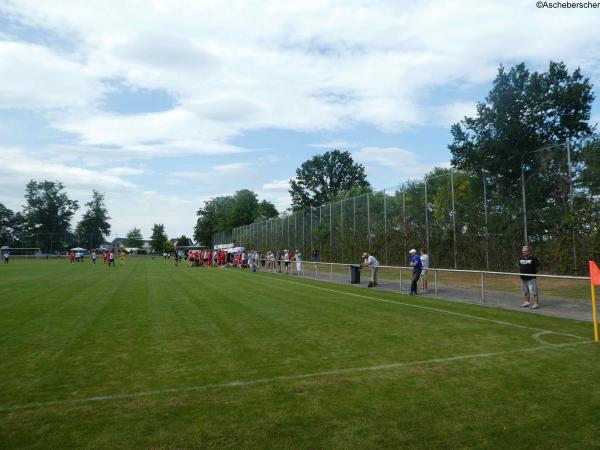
x: 426, y: 215
x: 453, y: 216
x: 404, y: 221
x: 368, y: 223
x: 342, y: 226
x: 524, y: 205
x: 569, y: 167
x: 485, y: 219
x: 354, y: 215
x: 311, y: 228
x: 385, y: 226
x: 330, y: 229
x: 303, y: 231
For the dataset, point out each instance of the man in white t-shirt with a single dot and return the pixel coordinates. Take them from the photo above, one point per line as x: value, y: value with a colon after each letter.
x: 286, y: 260
x: 425, y: 266
x: 371, y: 261
x: 6, y: 256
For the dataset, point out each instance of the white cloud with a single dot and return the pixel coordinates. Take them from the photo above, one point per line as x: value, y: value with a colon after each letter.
x: 454, y: 112
x: 392, y: 165
x: 35, y: 77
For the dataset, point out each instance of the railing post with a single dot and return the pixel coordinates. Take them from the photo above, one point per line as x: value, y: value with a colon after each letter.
x: 435, y: 281
x: 331, y: 272
x: 482, y: 289
x: 400, y: 279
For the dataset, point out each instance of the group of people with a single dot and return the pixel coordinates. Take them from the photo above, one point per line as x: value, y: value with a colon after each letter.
x: 419, y: 263
x: 528, y: 267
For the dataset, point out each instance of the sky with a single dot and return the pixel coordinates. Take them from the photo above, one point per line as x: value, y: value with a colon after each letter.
x: 162, y: 105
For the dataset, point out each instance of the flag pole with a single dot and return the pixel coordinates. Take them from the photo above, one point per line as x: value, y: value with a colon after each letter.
x: 595, y: 313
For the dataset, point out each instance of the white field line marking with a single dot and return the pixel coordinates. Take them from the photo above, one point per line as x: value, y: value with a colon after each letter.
x: 429, y: 308
x: 243, y: 383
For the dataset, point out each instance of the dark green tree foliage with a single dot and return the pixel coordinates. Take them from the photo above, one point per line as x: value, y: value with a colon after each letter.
x: 589, y: 175
x: 320, y: 179
x: 183, y: 241
x: 11, y: 227
x: 134, y: 238
x: 93, y: 228
x: 48, y: 211
x: 523, y: 112
x: 227, y: 212
x: 158, y: 237
x: 265, y: 210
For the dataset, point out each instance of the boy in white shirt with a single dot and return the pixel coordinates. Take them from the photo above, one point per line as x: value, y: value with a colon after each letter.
x: 425, y: 265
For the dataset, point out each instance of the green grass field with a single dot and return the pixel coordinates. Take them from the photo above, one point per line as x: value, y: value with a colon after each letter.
x: 153, y: 356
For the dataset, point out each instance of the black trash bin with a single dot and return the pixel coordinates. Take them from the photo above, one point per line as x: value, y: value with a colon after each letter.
x: 355, y: 274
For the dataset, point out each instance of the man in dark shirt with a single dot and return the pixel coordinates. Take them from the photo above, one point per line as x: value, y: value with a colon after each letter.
x: 415, y: 263
x: 528, y: 264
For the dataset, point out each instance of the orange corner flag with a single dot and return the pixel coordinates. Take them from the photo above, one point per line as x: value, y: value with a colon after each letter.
x: 594, y: 274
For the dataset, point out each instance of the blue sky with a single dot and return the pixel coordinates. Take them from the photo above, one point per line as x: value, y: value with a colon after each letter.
x: 162, y: 105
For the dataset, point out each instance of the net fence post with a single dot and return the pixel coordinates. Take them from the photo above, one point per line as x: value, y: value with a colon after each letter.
x: 482, y: 288
x: 341, y: 233
x: 435, y: 283
x: 385, y: 241
x: 426, y: 216
x: 368, y: 224
x: 570, y: 175
x: 400, y: 279
x: 404, y: 222
x: 485, y: 219
x: 453, y: 217
x: 524, y: 204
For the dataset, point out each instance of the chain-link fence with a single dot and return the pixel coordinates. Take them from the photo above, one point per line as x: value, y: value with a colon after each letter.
x: 465, y: 220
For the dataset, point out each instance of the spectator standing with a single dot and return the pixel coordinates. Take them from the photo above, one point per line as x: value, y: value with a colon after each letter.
x: 315, y: 255
x: 528, y: 264
x: 286, y: 261
x: 415, y: 263
x: 424, y: 267
x: 371, y: 261
x: 298, y: 258
x: 6, y: 256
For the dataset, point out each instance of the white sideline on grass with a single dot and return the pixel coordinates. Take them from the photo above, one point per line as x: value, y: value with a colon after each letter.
x: 429, y: 308
x: 243, y: 383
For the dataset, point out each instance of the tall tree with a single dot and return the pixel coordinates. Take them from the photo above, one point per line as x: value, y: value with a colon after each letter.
x: 523, y: 112
x: 158, y: 238
x: 93, y: 228
x: 212, y: 218
x: 134, y: 238
x: 225, y: 213
x: 48, y: 213
x: 245, y: 203
x: 11, y: 227
x: 323, y: 177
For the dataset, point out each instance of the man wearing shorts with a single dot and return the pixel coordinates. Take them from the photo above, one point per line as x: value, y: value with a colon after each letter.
x: 528, y: 264
x: 6, y: 256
